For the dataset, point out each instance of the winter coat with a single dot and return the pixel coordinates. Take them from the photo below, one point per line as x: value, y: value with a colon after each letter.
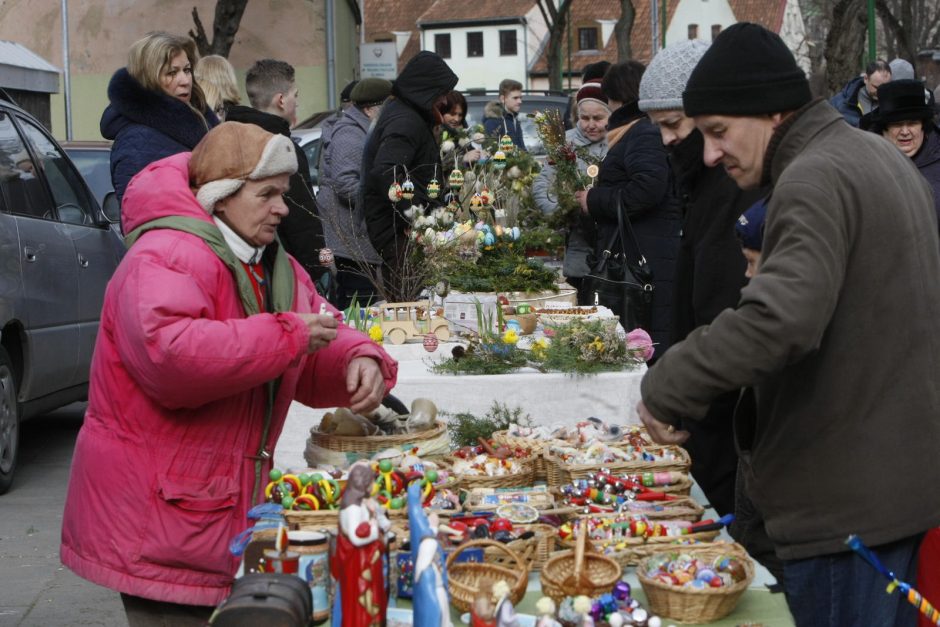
x: 498, y: 122
x: 636, y: 168
x: 847, y: 101
x: 340, y: 161
x: 709, y: 277
x: 403, y: 141
x: 300, y: 231
x: 167, y: 461
x: 146, y: 126
x: 928, y: 162
x: 580, y: 243
x: 839, y: 334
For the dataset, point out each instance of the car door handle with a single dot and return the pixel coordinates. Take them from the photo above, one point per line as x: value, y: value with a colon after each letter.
x: 82, y: 260
x: 30, y: 253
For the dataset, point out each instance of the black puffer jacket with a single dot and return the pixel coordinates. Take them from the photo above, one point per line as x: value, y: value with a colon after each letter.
x: 300, y: 231
x: 709, y: 277
x: 637, y: 168
x: 403, y: 141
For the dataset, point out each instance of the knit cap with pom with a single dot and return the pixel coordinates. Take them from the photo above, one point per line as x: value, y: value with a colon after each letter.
x: 664, y: 80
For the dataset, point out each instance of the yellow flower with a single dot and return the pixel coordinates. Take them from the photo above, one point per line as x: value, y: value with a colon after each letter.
x: 539, y: 347
x: 375, y: 333
x: 597, y: 345
x: 510, y: 337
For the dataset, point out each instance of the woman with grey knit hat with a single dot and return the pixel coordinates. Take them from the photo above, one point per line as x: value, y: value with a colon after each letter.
x: 590, y: 135
x: 709, y: 270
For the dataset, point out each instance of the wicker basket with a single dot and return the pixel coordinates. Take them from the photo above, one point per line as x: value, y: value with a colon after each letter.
x: 474, y: 499
x: 537, y: 448
x: 343, y: 450
x: 681, y: 508
x: 463, y: 578
x: 686, y: 605
x: 571, y: 573
x: 637, y: 549
x: 534, y: 551
x: 522, y: 479
x: 560, y: 473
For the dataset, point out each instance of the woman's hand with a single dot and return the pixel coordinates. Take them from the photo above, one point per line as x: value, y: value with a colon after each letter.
x: 322, y: 330
x: 365, y: 383
x: 581, y: 196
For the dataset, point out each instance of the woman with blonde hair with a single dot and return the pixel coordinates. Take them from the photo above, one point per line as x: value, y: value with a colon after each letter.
x: 216, y: 76
x: 156, y: 109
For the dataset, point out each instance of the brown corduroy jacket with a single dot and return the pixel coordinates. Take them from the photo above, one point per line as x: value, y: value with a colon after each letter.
x: 839, y: 333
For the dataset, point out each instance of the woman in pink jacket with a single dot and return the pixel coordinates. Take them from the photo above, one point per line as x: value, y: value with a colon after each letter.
x: 208, y: 332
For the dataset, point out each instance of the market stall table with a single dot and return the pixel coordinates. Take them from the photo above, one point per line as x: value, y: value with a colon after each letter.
x: 549, y: 398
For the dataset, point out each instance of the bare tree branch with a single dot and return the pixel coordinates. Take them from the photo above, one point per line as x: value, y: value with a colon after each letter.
x: 228, y: 17
x: 202, y: 42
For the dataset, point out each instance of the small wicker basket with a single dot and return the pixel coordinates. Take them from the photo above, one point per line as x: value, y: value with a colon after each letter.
x: 680, y: 508
x: 686, y: 605
x: 571, y: 573
x: 537, y: 448
x: 464, y: 578
x: 345, y: 449
x: 562, y: 473
x: 523, y: 478
x: 534, y: 551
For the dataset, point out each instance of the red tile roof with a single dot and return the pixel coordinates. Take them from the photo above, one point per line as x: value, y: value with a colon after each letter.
x: 767, y: 13
x: 464, y: 10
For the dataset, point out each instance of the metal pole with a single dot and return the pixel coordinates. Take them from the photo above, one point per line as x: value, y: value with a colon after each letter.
x: 664, y: 19
x: 872, y: 52
x: 654, y: 28
x: 67, y: 71
x: 330, y: 56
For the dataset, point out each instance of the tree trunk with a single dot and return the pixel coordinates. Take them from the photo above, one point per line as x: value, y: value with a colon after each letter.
x: 228, y: 17
x: 845, y: 43
x: 556, y: 38
x: 623, y: 30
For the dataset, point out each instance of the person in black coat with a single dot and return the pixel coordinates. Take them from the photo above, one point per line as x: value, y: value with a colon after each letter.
x: 273, y: 96
x: 636, y: 171
x: 156, y: 109
x: 402, y: 146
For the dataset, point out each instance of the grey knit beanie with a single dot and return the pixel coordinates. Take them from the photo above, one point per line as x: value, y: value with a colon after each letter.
x: 665, y: 79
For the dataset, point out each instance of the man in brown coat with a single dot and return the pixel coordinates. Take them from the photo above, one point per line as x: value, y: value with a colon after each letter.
x: 839, y: 334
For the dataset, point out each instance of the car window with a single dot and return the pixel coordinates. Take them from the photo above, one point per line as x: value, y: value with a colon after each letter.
x: 72, y: 201
x: 95, y: 166
x: 21, y: 191
x: 312, y: 150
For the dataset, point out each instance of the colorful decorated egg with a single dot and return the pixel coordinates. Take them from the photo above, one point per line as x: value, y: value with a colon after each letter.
x: 434, y: 189
x: 394, y: 192
x: 499, y: 160
x: 476, y: 201
x: 455, y: 179
x: 407, y: 190
x: 430, y: 342
x: 486, y: 196
x: 326, y: 256
x: 505, y: 143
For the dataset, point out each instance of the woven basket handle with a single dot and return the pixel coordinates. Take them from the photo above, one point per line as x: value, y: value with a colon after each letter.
x: 579, y: 550
x: 483, y: 543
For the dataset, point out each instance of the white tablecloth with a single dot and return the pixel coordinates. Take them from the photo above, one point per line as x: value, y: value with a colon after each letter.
x: 549, y: 398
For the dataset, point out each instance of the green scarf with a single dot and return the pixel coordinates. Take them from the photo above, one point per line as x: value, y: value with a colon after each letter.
x: 282, y: 296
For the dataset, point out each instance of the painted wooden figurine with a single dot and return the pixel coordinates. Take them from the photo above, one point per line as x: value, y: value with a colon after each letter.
x: 429, y: 600
x: 483, y: 611
x: 358, y: 563
x: 505, y: 612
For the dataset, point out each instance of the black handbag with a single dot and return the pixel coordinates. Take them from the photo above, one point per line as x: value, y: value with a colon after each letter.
x: 620, y: 280
x: 265, y: 599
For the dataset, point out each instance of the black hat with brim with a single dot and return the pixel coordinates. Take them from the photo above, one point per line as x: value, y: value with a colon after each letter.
x: 902, y: 100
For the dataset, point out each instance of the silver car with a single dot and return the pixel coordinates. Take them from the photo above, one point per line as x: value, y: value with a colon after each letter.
x: 58, y: 253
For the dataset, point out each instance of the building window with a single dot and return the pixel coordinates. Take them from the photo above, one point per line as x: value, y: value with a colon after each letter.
x: 587, y: 39
x: 442, y: 45
x: 507, y: 43
x: 475, y: 44
x: 716, y: 30
x: 693, y: 31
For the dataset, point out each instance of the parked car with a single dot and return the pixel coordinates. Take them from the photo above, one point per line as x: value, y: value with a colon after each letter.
x: 532, y: 101
x: 59, y: 253
x: 93, y: 160
x: 309, y: 141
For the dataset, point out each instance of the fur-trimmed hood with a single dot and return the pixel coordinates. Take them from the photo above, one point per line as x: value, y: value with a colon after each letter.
x: 132, y: 103
x: 494, y: 109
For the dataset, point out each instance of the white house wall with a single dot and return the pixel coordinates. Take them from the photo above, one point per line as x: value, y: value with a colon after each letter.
x: 701, y: 12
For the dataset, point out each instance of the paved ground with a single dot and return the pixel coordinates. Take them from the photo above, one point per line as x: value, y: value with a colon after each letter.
x: 35, y: 589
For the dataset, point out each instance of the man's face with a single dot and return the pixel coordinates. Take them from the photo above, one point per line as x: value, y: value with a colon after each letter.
x: 738, y: 143
x: 256, y: 209
x: 287, y: 104
x: 872, y: 83
x: 674, y: 125
x: 512, y: 101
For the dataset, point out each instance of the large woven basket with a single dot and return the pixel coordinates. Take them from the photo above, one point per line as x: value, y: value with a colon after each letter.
x: 562, y: 473
x: 523, y: 478
x: 634, y: 550
x: 680, y: 508
x: 464, y: 578
x: 343, y: 450
x: 687, y: 605
x: 576, y: 572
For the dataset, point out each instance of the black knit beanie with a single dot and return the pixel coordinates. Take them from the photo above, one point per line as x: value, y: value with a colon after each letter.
x: 748, y: 70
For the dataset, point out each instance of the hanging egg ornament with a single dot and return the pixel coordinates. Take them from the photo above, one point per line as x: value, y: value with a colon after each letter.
x: 326, y: 256
x: 394, y: 192
x: 455, y: 179
x: 499, y: 160
x: 476, y: 201
x: 505, y: 143
x: 407, y: 190
x: 434, y: 189
x: 430, y: 342
x: 486, y: 196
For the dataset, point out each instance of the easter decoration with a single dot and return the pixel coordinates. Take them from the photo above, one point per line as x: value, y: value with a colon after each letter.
x: 430, y: 602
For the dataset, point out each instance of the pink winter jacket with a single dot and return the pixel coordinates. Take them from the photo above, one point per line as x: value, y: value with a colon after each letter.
x: 164, y: 465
